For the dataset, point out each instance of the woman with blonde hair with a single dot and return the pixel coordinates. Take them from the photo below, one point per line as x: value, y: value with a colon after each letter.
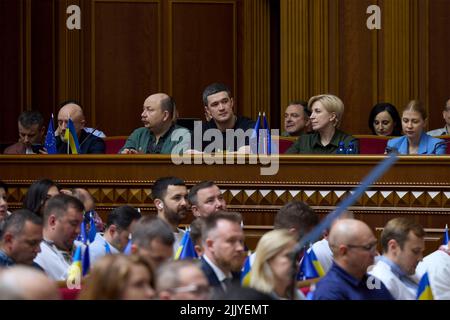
x: 119, y: 277
x: 271, y: 271
x: 415, y: 140
x: 326, y: 116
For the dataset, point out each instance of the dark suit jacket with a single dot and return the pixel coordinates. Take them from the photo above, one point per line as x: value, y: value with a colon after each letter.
x: 89, y: 144
x: 212, y: 277
x: 17, y: 148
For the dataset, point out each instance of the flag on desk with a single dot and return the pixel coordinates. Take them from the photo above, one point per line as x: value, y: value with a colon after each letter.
x: 75, y: 270
x: 50, y: 140
x: 267, y: 139
x: 92, y: 227
x: 445, y: 241
x: 246, y: 270
x: 254, y: 139
x: 71, y: 138
x: 424, y: 291
x: 186, y: 248
x: 310, y: 267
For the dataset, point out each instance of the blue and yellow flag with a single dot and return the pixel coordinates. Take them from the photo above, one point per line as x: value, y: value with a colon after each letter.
x: 445, y: 241
x: 75, y: 270
x: 246, y: 271
x: 71, y: 138
x: 424, y: 291
x: 50, y: 139
x: 186, y: 248
x: 267, y: 140
x: 310, y: 267
x: 86, y: 261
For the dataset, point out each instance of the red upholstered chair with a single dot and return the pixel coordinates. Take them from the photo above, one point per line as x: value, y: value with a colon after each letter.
x: 114, y: 144
x: 284, y: 143
x: 371, y: 144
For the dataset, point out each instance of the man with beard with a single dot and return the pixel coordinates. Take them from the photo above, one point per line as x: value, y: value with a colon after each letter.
x: 63, y: 215
x: 160, y: 133
x: 223, y: 242
x: 170, y: 199
x: 205, y: 199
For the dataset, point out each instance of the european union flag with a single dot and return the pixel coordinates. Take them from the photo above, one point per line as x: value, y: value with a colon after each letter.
x: 50, y: 140
x: 86, y: 261
x: 92, y: 228
x: 71, y: 138
x: 254, y: 139
x: 424, y: 291
x: 310, y: 267
x: 82, y: 237
x: 186, y: 248
x: 267, y: 141
x: 445, y: 242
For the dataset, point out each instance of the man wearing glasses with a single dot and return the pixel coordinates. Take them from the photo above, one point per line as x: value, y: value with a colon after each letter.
x: 446, y: 129
x: 354, y: 249
x: 403, y: 244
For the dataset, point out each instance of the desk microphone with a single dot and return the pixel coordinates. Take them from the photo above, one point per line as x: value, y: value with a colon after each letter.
x: 90, y: 133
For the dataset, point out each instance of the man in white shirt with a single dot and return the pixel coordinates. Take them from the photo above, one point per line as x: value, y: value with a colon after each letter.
x: 446, y: 129
x: 170, y: 199
x: 118, y: 228
x: 437, y: 264
x: 63, y: 215
x: 403, y: 243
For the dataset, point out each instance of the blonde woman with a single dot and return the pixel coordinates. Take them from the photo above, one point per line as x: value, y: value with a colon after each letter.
x: 326, y: 116
x: 119, y: 277
x: 415, y: 140
x: 271, y: 271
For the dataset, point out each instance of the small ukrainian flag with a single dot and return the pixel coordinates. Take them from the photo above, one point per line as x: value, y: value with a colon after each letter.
x: 424, y: 291
x: 71, y: 137
x: 246, y: 271
x: 186, y: 248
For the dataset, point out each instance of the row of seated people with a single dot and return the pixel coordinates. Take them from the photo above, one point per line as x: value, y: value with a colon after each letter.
x: 152, y: 258
x: 314, y: 125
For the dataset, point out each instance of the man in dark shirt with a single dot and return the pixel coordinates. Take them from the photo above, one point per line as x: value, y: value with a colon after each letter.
x: 219, y: 106
x: 89, y: 142
x: 354, y: 248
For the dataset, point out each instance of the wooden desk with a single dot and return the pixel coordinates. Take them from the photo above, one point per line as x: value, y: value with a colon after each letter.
x: 417, y: 186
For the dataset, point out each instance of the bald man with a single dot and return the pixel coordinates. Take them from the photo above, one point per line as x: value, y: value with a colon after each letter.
x: 89, y: 142
x: 26, y: 283
x: 160, y: 134
x: 354, y: 248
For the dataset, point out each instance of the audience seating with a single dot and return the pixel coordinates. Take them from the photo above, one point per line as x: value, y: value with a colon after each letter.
x: 114, y: 144
x: 446, y: 138
x: 284, y: 143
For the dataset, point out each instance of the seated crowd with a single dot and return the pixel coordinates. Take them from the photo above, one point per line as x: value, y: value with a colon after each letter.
x: 56, y: 242
x: 314, y: 125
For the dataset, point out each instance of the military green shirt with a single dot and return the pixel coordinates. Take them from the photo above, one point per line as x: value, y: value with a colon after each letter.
x: 144, y: 141
x: 310, y: 144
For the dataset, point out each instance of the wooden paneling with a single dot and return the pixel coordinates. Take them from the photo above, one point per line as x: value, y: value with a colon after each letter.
x: 203, y: 50
x: 125, y: 62
x: 11, y: 103
x: 439, y: 62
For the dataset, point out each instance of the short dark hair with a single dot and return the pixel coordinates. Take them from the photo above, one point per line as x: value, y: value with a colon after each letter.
x: 196, y: 230
x: 15, y: 222
x: 302, y: 103
x: 298, y: 215
x: 211, y: 221
x: 389, y: 108
x: 37, y: 195
x: 122, y: 217
x: 160, y: 186
x: 30, y: 118
x: 3, y: 186
x: 398, y: 229
x: 149, y: 228
x: 192, y: 196
x: 213, y: 89
x: 59, y: 204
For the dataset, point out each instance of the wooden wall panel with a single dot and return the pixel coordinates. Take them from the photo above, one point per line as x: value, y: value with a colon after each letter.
x: 439, y: 68
x: 11, y: 67
x: 203, y: 48
x: 126, y: 62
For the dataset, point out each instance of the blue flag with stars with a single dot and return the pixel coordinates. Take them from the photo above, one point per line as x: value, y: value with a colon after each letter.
x: 50, y: 140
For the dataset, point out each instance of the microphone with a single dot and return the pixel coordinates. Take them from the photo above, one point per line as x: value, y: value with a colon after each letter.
x: 444, y: 142
x: 390, y: 150
x: 90, y: 133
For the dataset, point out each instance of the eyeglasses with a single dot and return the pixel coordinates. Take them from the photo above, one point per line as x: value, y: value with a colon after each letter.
x: 193, y: 288
x: 367, y: 247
